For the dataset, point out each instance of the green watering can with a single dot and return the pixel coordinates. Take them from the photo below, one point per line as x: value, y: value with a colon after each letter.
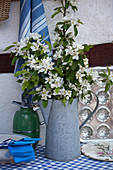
x: 26, y: 121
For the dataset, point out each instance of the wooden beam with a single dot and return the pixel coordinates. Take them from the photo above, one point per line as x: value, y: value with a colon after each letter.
x: 5, y: 63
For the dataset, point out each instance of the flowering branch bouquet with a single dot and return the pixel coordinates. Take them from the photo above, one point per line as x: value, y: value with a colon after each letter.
x: 63, y: 76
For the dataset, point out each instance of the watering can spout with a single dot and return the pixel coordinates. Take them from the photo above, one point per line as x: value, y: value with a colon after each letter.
x: 46, y: 111
x: 19, y: 104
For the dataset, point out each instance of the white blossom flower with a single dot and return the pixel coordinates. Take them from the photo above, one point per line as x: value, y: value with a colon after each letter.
x: 55, y: 76
x: 86, y: 62
x: 74, y: 20
x: 77, y: 45
x: 66, y: 18
x: 35, y: 36
x: 79, y: 76
x: 45, y: 65
x: 72, y: 86
x: 21, y: 44
x: 81, y: 68
x: 56, y: 38
x: 111, y: 76
x: 31, y: 61
x: 35, y: 46
x: 64, y: 63
x: 18, y: 52
x: 74, y: 2
x: 54, y: 93
x: 39, y: 88
x: 45, y: 48
x: 58, y: 82
x: 49, y: 80
x: 75, y: 55
x: 68, y: 94
x: 23, y: 78
x: 58, y: 54
x: 86, y: 86
x: 93, y: 73
x: 68, y: 50
x: 45, y: 94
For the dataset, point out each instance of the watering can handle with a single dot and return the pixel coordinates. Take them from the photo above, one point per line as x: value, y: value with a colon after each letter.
x: 92, y: 112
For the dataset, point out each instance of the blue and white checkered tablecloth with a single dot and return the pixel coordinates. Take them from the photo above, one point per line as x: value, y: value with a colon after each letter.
x: 42, y: 163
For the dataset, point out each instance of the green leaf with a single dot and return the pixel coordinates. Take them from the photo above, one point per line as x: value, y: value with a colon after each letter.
x: 7, y: 48
x: 24, y: 65
x: 60, y: 23
x: 11, y: 54
x: 102, y: 74
x: 48, y: 43
x: 30, y: 85
x: 71, y: 100
x: 75, y: 30
x: 55, y: 45
x: 57, y: 12
x: 25, y: 48
x: 73, y: 7
x: 79, y: 21
x: 44, y: 103
x: 58, y: 8
x: 57, y: 90
x: 36, y: 97
x: 67, y: 26
x: 63, y: 101
x: 15, y: 42
x: 87, y: 47
x: 59, y: 71
x: 25, y: 57
x: 25, y: 85
x: 25, y: 92
x: 108, y: 71
x: 38, y: 61
x: 33, y: 92
x: 47, y: 86
x: 26, y: 74
x: 81, y: 62
x: 67, y: 5
x: 14, y: 60
x: 107, y: 87
x: 18, y: 73
x: 19, y: 81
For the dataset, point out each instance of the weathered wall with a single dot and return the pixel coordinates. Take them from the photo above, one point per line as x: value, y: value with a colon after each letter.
x: 97, y: 17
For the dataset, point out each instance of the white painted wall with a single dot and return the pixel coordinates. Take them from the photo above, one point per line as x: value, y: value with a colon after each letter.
x: 9, y: 91
x: 97, y: 16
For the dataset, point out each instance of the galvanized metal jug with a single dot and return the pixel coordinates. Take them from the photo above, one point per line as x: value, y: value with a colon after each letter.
x: 62, y: 129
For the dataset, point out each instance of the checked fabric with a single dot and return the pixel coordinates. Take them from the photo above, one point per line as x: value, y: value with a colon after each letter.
x: 42, y: 163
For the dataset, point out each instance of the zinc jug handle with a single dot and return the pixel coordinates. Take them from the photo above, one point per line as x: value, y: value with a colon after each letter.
x: 92, y: 112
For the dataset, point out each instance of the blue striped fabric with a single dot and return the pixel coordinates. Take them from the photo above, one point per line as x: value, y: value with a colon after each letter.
x: 25, y: 21
x: 32, y: 19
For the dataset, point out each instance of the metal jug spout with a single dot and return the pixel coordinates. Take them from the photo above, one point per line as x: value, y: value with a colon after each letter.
x: 46, y: 111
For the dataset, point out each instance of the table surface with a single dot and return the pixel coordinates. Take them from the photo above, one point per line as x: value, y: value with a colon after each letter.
x: 42, y: 163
